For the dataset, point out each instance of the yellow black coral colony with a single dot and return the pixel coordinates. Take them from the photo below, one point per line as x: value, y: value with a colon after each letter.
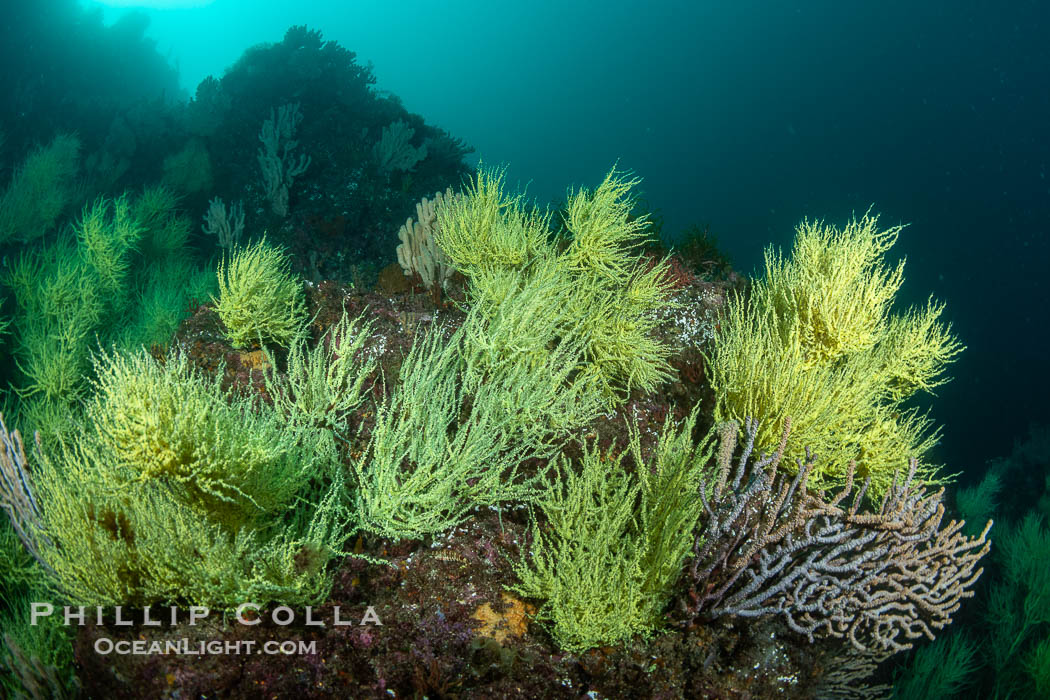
x: 799, y: 496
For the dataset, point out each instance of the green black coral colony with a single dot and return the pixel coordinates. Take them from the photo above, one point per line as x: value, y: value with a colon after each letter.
x: 566, y: 465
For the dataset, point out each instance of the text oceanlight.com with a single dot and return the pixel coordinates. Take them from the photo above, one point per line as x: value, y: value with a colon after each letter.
x: 245, y: 614
x: 184, y: 646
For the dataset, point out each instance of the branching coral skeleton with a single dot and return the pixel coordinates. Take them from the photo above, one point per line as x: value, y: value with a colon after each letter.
x: 878, y: 578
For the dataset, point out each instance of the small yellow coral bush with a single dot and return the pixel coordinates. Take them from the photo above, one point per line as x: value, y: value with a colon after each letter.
x: 175, y: 490
x: 598, y: 289
x: 259, y: 298
x: 168, y: 422
x: 616, y: 540
x: 817, y: 342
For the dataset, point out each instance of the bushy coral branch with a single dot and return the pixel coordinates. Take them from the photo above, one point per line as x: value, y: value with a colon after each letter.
x: 16, y: 493
x: 394, y: 150
x: 419, y: 252
x: 430, y: 459
x: 279, y: 167
x: 226, y: 226
x: 815, y: 339
x: 259, y: 298
x: 878, y: 578
x: 615, y: 540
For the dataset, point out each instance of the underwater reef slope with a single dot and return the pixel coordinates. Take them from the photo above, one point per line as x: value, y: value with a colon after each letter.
x: 540, y: 458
